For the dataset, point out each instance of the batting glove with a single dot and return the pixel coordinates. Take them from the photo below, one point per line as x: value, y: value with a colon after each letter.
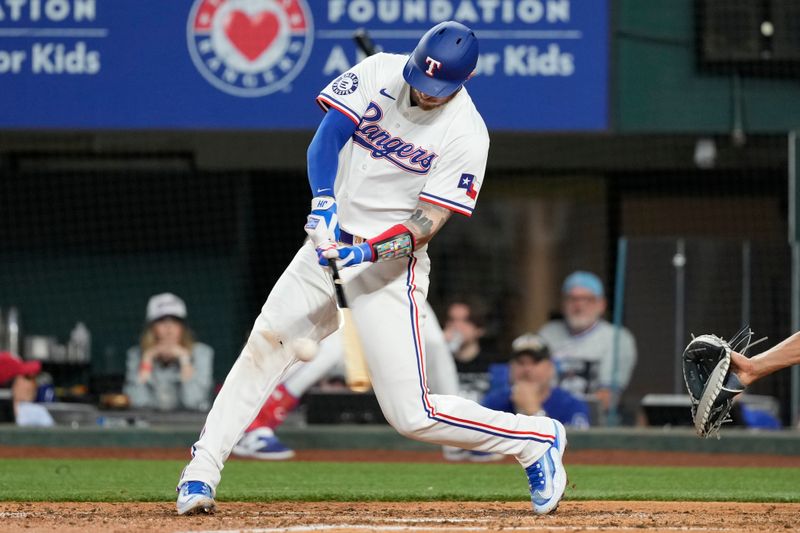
x: 346, y: 256
x: 322, y: 224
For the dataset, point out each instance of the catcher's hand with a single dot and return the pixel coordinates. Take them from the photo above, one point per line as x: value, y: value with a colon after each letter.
x: 710, y: 382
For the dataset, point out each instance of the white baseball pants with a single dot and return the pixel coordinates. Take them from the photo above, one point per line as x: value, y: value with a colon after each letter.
x: 442, y: 374
x: 386, y: 300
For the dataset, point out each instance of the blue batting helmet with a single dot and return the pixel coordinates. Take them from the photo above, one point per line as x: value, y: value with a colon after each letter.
x: 443, y: 60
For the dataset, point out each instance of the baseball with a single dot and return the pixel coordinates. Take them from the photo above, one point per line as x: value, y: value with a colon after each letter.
x: 304, y: 349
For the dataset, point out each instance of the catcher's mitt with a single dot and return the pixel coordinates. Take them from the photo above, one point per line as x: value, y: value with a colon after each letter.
x: 711, y: 384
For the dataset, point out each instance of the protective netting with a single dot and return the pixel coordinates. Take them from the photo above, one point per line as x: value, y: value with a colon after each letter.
x: 90, y: 239
x: 706, y: 247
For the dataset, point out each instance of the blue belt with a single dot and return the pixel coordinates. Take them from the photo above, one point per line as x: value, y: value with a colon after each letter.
x: 349, y: 238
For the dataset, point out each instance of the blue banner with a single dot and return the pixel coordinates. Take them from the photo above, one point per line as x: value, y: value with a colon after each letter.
x: 245, y: 64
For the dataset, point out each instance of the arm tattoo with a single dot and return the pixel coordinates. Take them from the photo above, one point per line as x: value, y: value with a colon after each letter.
x: 426, y: 221
x: 402, y: 239
x: 421, y: 221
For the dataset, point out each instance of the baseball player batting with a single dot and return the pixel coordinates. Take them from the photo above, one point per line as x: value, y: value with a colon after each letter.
x: 400, y: 149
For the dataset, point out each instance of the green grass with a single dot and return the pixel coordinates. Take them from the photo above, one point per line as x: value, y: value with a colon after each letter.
x: 137, y: 480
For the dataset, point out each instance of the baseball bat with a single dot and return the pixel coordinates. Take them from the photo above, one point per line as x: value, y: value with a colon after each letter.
x: 357, y: 376
x: 364, y: 42
x: 355, y: 366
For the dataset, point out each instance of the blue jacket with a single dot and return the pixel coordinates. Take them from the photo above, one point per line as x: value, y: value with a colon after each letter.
x: 561, y: 405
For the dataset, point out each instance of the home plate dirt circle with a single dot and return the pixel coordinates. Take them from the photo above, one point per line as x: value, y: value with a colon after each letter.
x: 439, y: 517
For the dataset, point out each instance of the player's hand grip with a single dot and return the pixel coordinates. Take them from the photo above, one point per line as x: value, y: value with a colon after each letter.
x: 345, y: 256
x: 322, y: 224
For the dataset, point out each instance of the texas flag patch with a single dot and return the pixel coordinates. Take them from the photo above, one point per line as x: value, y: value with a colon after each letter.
x: 467, y: 181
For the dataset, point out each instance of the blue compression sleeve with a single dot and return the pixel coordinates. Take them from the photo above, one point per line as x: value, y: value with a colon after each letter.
x: 323, y: 153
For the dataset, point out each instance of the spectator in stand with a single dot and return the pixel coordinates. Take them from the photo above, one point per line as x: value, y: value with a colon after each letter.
x: 169, y: 370
x: 464, y: 327
x: 22, y: 377
x: 582, y: 344
x: 465, y: 332
x: 526, y: 385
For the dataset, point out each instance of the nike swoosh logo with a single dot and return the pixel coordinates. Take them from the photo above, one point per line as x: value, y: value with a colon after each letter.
x: 547, y: 493
x: 547, y: 463
x: 387, y: 95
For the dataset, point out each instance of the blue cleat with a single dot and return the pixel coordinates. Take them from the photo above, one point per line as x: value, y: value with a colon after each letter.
x: 485, y: 457
x: 195, y: 497
x: 262, y: 443
x: 547, y: 477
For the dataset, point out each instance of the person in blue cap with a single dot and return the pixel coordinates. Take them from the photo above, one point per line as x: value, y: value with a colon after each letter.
x: 582, y: 343
x: 526, y: 385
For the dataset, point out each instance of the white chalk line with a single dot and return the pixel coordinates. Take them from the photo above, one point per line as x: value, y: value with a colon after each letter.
x: 445, y: 527
x: 397, y: 524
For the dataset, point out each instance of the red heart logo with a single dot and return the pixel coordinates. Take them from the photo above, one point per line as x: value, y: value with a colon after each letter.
x: 252, y: 34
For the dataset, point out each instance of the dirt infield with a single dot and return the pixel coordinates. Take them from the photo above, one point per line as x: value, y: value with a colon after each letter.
x: 439, y: 517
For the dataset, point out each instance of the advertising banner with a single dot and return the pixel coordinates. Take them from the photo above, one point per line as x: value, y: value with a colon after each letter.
x: 258, y: 64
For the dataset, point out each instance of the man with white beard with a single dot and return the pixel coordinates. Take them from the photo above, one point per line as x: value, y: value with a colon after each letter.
x: 582, y: 344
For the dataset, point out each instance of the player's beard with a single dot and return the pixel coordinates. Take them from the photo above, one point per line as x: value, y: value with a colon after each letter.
x: 429, y: 103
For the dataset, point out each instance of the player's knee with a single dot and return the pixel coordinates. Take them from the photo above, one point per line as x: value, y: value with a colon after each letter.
x: 262, y: 344
x: 412, y: 426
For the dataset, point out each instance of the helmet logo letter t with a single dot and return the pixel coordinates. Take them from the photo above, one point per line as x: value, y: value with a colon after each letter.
x: 433, y: 66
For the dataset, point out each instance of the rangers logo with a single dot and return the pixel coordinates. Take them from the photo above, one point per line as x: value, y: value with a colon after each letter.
x: 250, y: 47
x: 382, y: 144
x: 433, y: 66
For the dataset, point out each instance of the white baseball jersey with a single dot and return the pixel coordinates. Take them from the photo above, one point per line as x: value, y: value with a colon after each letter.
x: 399, y: 153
